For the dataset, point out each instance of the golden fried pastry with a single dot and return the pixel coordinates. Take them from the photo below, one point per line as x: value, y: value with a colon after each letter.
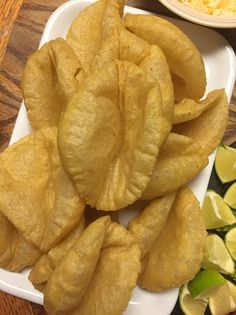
x: 37, y: 196
x: 15, y: 252
x: 50, y: 79
x: 94, y: 34
x: 111, y: 26
x: 208, y: 129
x: 84, y: 35
x: 151, y: 59
x: 184, y: 59
x: 180, y: 160
x: 112, y: 41
x: 147, y: 226
x: 111, y: 133
x: 189, y: 109
x: 45, y: 265
x: 176, y: 255
x: 97, y: 275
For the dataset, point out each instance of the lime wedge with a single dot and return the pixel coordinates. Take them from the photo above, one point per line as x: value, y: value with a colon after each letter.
x: 225, y: 164
x: 188, y: 305
x: 216, y: 212
x: 223, y: 301
x: 230, y: 196
x: 230, y: 242
x: 201, y: 286
x: 216, y: 255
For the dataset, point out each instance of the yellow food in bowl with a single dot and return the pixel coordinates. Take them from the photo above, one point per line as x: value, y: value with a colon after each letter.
x: 213, y: 7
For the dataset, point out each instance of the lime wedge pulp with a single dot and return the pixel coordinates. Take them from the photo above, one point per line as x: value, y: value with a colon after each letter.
x: 225, y: 164
x: 216, y: 255
x: 223, y: 301
x: 216, y: 212
x: 230, y: 196
x: 230, y: 242
x: 190, y: 306
x: 204, y: 282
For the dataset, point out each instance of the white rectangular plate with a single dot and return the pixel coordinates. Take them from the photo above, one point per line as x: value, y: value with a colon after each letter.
x: 220, y: 66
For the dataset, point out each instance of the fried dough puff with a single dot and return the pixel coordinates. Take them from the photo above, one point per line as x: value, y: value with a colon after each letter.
x: 208, y: 128
x: 38, y: 199
x: 180, y: 160
x: 45, y: 265
x: 171, y: 233
x: 97, y: 274
x: 51, y: 77
x: 15, y: 252
x: 184, y: 59
x: 111, y: 133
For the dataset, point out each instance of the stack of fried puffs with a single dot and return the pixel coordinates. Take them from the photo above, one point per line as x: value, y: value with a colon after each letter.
x: 118, y: 115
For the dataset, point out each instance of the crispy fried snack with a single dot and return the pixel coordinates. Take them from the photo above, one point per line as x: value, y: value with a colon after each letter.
x: 176, y: 256
x: 94, y: 34
x: 111, y: 26
x: 97, y: 275
x: 111, y: 133
x: 180, y: 160
x: 147, y: 226
x: 184, y: 59
x: 15, y: 252
x: 37, y: 196
x: 84, y: 35
x: 113, y: 42
x: 45, y: 265
x: 151, y: 59
x: 50, y: 79
x: 188, y: 109
x: 208, y: 129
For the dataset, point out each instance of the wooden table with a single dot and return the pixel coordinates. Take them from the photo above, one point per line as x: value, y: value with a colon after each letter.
x: 30, y: 19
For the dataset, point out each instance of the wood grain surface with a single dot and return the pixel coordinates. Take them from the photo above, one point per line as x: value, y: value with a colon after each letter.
x: 8, y: 13
x: 23, y: 41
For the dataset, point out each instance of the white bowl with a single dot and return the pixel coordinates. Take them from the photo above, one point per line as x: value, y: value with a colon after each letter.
x: 224, y: 21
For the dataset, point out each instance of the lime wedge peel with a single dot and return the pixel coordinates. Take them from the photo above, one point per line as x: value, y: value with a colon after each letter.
x: 216, y: 212
x: 216, y: 255
x: 225, y: 164
x: 230, y: 242
x: 190, y: 306
x: 230, y: 196
x: 203, y: 283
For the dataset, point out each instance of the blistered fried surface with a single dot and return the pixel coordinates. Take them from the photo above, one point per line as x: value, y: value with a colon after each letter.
x: 151, y: 59
x: 208, y: 129
x: 147, y: 226
x: 45, y: 265
x: 70, y: 279
x: 111, y: 26
x: 50, y: 79
x: 15, y: 252
x: 94, y: 34
x: 111, y: 134
x: 37, y: 196
x: 115, y: 276
x: 115, y: 42
x: 184, y: 59
x: 180, y: 160
x: 98, y: 275
x: 84, y: 35
x: 176, y: 256
x: 189, y: 109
